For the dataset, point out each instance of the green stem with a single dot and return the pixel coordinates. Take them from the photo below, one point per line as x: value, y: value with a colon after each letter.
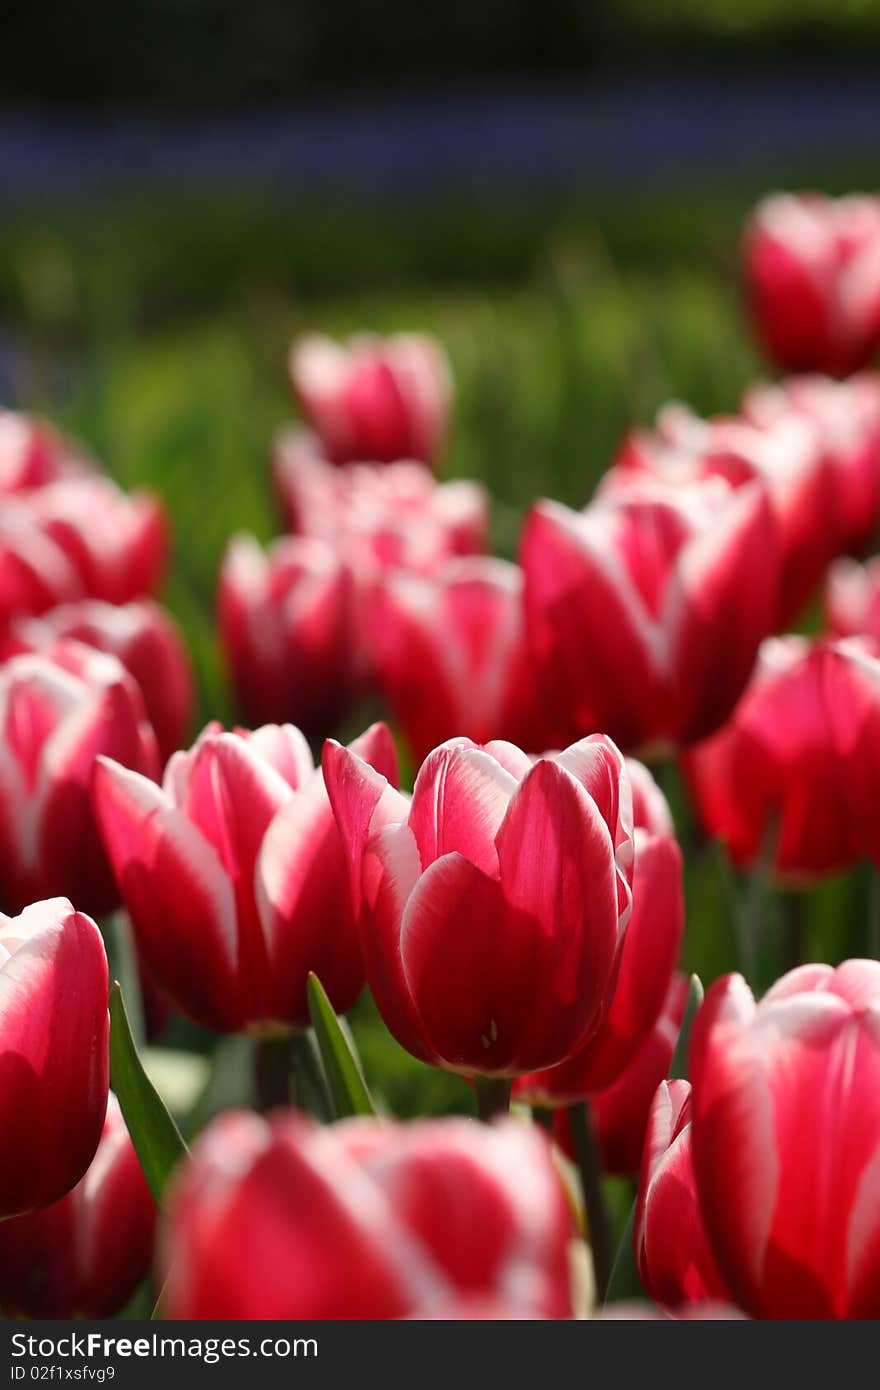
x: 493, y: 1096
x: 874, y: 913
x: 273, y: 1077
x: 309, y: 1082
x: 589, y: 1165
x: 794, y: 929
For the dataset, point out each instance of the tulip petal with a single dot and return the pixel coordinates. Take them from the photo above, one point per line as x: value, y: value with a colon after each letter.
x: 460, y: 799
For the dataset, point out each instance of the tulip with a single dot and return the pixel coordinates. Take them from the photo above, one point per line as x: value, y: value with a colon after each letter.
x: 647, y: 964
x: 846, y: 418
x: 56, y: 715
x: 650, y: 807
x: 143, y: 637
x: 379, y: 518
x: 492, y: 909
x: 784, y: 454
x: 115, y: 541
x: 852, y: 600
x: 31, y: 453
x: 84, y: 1255
x: 287, y: 622
x: 760, y: 1180
x: 234, y: 875
x: 646, y: 610
x: 451, y: 656
x: 374, y: 399
x: 365, y: 1220
x: 675, y: 1260
x: 35, y: 572
x: 812, y: 273
x: 620, y: 1111
x: 789, y: 773
x: 54, y: 1033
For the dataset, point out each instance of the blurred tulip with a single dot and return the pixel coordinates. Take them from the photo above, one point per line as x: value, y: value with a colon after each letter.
x: 84, y: 1255
x: 852, y: 600
x: 365, y: 1220
x: 647, y: 964
x: 451, y: 656
x: 761, y: 1180
x: 146, y: 640
x: 650, y: 807
x: 379, y: 519
x: 374, y: 399
x: 620, y: 1111
x: 287, y: 622
x: 117, y: 542
x: 493, y: 907
x: 234, y: 875
x: 784, y: 455
x: 54, y: 1060
x: 812, y: 273
x: 790, y: 764
x: 32, y: 453
x: 846, y: 418
x: 645, y: 611
x: 56, y: 715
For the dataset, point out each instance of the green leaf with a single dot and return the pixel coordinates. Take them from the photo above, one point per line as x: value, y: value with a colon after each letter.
x: 155, y: 1136
x: 678, y: 1067
x: 347, y: 1086
x: 624, y: 1282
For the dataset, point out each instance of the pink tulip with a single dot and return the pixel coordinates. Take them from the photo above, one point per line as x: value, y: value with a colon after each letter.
x: 492, y: 909
x: 451, y: 656
x: 761, y: 1181
x: 366, y: 1220
x: 143, y: 637
x: 646, y: 610
x: 287, y: 622
x: 54, y: 1031
x: 783, y: 454
x: 234, y: 875
x: 812, y: 272
x: 379, y: 518
x: 846, y: 418
x: 374, y: 399
x: 56, y: 716
x: 647, y: 964
x: 84, y: 1255
x: 852, y: 600
x: 795, y: 761
x: 32, y: 453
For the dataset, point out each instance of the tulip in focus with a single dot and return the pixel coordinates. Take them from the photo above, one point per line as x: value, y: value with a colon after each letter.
x: 143, y: 637
x: 846, y: 418
x: 791, y: 773
x: 783, y: 454
x: 451, y: 656
x: 380, y: 519
x: 760, y: 1180
x: 56, y: 715
x: 812, y: 274
x: 234, y: 875
x: 646, y: 610
x: 366, y: 1220
x: 374, y: 399
x: 493, y: 908
x: 54, y: 1060
x: 84, y: 1255
x: 287, y: 623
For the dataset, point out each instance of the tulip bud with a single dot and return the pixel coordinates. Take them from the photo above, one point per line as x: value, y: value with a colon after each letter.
x: 492, y: 909
x: 234, y: 875
x: 846, y: 418
x: 54, y: 1031
x: 451, y: 656
x: 374, y: 399
x: 812, y: 273
x: 143, y: 637
x: 84, y: 1255
x: 365, y: 1220
x: 795, y: 762
x: 56, y: 715
x: 645, y: 611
